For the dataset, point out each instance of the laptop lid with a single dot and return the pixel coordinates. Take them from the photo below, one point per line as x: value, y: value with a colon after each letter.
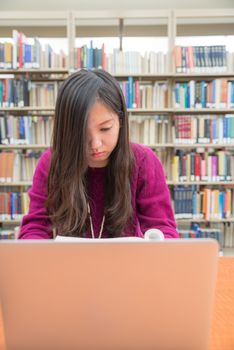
x: 108, y: 295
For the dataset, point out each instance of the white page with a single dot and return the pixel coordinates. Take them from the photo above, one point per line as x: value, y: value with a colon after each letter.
x: 150, y: 235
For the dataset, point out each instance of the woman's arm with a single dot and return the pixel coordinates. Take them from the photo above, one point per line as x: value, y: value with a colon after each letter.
x: 153, y: 198
x: 36, y: 224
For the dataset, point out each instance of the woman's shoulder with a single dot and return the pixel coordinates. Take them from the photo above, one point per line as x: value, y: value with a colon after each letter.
x: 142, y: 152
x: 45, y: 159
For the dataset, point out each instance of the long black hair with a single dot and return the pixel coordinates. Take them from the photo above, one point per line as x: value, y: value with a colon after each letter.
x: 67, y: 183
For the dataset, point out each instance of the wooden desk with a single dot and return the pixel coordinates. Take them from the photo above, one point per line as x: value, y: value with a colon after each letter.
x: 222, y: 332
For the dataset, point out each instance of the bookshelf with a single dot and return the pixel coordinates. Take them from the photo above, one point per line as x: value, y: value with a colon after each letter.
x: 120, y: 25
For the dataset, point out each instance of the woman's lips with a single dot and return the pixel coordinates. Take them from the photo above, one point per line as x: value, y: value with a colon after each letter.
x: 98, y: 154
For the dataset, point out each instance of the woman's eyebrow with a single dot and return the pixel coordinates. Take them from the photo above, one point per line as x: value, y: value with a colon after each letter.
x: 106, y: 121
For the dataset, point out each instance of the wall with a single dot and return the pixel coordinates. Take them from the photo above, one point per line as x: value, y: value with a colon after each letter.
x: 60, y: 5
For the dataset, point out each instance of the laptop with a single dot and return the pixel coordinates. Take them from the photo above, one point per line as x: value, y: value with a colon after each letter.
x: 106, y: 294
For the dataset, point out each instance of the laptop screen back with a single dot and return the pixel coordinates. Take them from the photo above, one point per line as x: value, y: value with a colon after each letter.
x: 133, y: 295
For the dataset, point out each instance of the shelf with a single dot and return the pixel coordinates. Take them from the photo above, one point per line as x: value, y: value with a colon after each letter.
x: 33, y: 71
x: 192, y: 145
x: 203, y: 110
x: 208, y: 183
x: 157, y: 145
x: 142, y: 76
x: 130, y: 110
x: 14, y: 184
x: 204, y: 220
x: 24, y: 146
x: 11, y: 222
x: 47, y: 111
x: 150, y: 111
x: 202, y: 75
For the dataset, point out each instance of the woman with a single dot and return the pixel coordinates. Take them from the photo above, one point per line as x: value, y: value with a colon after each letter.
x: 93, y: 182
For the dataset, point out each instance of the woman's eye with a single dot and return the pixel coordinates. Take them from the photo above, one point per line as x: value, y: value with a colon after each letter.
x: 105, y: 129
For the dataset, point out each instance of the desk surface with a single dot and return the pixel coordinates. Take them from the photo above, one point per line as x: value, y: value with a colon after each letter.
x: 222, y: 332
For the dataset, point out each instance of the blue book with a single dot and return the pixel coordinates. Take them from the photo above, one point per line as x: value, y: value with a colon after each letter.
x: 130, y: 92
x: 27, y: 56
x: 12, y: 205
x: 195, y: 228
x: 214, y: 129
x: 176, y: 92
x: 232, y: 94
x: 203, y: 94
x: 187, y: 103
x: 21, y: 128
x: 225, y: 129
x: 221, y: 205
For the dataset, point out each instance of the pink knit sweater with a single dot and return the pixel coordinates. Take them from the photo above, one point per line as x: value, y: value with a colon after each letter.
x: 150, y: 198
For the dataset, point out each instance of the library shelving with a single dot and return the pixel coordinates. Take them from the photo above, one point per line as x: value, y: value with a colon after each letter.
x: 201, y: 125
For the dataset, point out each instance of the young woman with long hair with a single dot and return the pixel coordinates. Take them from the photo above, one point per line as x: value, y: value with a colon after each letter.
x: 93, y: 182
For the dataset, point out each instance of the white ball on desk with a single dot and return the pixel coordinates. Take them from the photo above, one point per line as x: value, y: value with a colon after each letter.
x: 154, y: 234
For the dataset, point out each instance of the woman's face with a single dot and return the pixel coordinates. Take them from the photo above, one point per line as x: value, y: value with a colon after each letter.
x: 102, y: 134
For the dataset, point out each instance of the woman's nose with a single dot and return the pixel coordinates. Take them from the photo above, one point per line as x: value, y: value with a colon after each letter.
x: 95, y: 142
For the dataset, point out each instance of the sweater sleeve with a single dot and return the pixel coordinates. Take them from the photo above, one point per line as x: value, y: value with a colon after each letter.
x: 153, y: 197
x: 36, y: 224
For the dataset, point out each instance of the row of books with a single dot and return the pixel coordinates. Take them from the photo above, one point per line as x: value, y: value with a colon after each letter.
x: 90, y: 57
x: 14, y: 92
x: 133, y: 62
x: 22, y: 92
x: 20, y: 53
x: 200, y: 232
x: 13, y: 205
x: 182, y: 129
x: 25, y: 130
x: 17, y: 166
x: 217, y: 93
x: 223, y: 232
x: 214, y: 58
x: 7, y: 234
x: 202, y: 129
x: 120, y: 62
x: 189, y: 203
x: 144, y: 95
x: 217, y: 166
x: 150, y: 130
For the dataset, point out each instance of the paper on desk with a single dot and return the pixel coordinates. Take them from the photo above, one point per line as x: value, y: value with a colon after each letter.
x: 89, y: 240
x: 150, y: 235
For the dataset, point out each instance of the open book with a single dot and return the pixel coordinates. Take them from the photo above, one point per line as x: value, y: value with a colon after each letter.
x: 150, y: 235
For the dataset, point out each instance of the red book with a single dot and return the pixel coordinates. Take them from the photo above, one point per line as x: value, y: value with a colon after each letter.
x: 20, y: 50
x: 9, y: 204
x: 197, y: 166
